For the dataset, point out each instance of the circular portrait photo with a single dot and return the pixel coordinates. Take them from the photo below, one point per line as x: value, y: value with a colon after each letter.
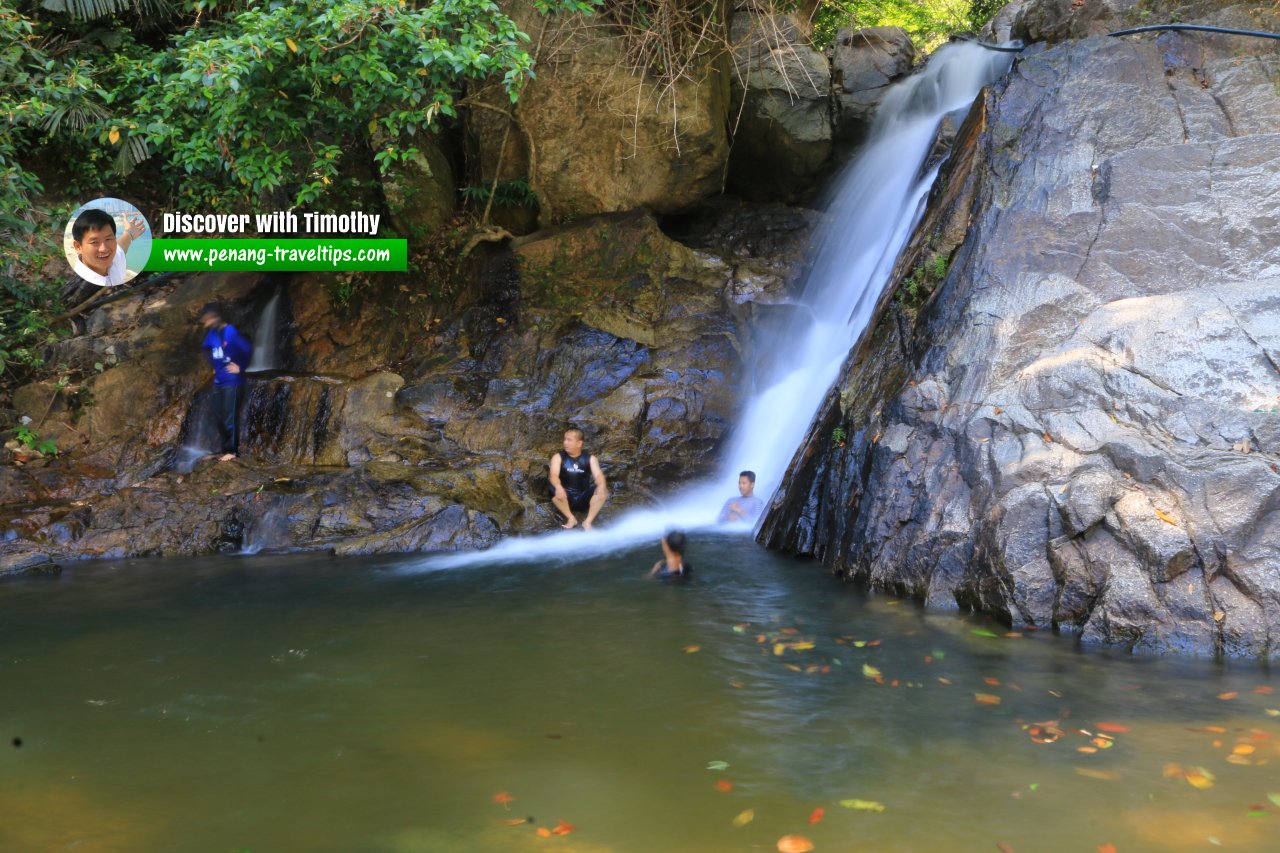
x: 107, y: 242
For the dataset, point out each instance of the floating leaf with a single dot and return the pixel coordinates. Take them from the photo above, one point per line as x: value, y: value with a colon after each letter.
x: 513, y: 821
x: 986, y: 698
x: 1198, y: 777
x: 870, y: 671
x: 1230, y: 694
x: 717, y: 765
x: 863, y: 805
x: 1091, y: 773
x: 744, y: 818
x: 815, y: 816
x: 724, y: 785
x: 1271, y: 712
x: 543, y: 832
x: 1274, y: 798
x: 794, y: 844
x: 1003, y: 847
x: 1245, y: 749
x: 562, y: 828
x: 983, y: 632
x: 994, y: 682
x: 503, y: 798
x: 1106, y: 848
x: 688, y: 650
x: 1111, y: 727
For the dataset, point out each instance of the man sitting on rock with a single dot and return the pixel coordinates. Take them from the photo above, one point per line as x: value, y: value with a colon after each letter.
x: 746, y: 507
x: 577, y: 483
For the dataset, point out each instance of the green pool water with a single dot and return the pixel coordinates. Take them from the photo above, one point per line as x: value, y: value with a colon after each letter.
x: 320, y: 704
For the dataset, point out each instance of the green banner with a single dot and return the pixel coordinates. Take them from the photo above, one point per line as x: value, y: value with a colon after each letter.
x: 268, y: 254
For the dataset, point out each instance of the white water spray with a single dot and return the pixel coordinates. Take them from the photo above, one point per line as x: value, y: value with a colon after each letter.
x: 264, y: 337
x: 877, y: 201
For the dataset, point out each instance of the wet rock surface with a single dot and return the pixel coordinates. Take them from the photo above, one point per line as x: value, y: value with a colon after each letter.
x: 1083, y: 427
x: 389, y: 425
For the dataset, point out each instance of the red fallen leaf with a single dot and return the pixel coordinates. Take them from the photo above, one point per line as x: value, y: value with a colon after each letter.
x: 503, y: 798
x: 816, y: 815
x: 1265, y: 691
x: 1111, y: 727
x: 1004, y: 848
x: 562, y: 828
x: 994, y: 682
x: 543, y: 832
x: 1106, y: 848
x: 1230, y: 694
x: 794, y: 844
x: 513, y: 821
x: 724, y: 785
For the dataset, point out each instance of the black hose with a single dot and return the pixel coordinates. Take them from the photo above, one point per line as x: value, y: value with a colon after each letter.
x: 1198, y: 28
x: 1151, y: 29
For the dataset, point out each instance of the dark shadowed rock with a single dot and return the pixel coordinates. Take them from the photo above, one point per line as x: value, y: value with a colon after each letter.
x: 781, y: 108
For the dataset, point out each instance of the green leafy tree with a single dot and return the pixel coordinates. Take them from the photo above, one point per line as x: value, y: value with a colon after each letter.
x: 928, y: 22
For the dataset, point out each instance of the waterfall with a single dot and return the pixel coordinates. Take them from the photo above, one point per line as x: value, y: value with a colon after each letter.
x: 876, y: 202
x: 264, y: 337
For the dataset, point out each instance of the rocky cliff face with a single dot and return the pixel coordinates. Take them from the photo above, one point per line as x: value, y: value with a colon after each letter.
x: 1085, y: 427
x: 388, y: 425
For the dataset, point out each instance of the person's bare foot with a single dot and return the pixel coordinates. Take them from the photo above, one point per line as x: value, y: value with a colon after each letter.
x: 570, y: 524
x: 226, y: 457
x: 587, y: 525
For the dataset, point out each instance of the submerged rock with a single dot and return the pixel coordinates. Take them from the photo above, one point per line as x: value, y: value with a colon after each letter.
x: 1080, y: 427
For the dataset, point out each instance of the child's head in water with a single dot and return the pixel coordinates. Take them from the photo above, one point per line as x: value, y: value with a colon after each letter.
x: 673, y: 544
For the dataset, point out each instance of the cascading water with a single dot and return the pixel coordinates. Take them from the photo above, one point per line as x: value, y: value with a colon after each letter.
x: 877, y: 201
x: 265, y: 345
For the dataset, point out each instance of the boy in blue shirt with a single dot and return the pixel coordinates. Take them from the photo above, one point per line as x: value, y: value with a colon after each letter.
x: 229, y: 354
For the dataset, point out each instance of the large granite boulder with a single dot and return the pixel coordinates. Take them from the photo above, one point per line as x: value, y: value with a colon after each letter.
x: 593, y: 133
x: 781, y: 108
x: 864, y: 63
x: 1085, y: 432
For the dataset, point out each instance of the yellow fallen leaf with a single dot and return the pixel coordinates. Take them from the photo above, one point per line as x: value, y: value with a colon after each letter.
x: 1272, y: 712
x: 802, y: 646
x: 870, y: 671
x: 1165, y: 517
x: 779, y: 648
x: 863, y: 805
x: 1245, y: 749
x: 688, y: 650
x: 986, y: 698
x: 1200, y: 778
x: 293, y: 47
x: 744, y: 818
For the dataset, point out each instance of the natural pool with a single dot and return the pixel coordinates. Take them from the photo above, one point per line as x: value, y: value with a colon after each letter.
x: 310, y: 703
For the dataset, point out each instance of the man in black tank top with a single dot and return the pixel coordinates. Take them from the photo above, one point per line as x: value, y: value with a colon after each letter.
x: 577, y: 483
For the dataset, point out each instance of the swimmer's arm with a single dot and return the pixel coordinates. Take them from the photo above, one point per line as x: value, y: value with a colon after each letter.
x: 555, y: 476
x: 597, y: 474
x: 657, y: 567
